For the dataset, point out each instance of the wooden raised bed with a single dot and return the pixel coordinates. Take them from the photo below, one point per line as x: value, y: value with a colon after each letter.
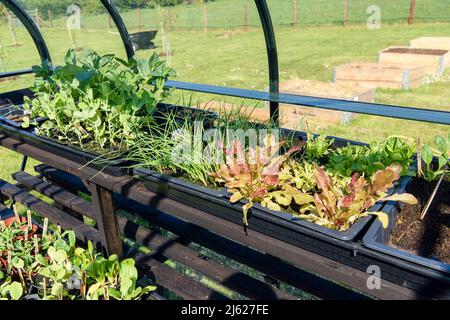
x: 434, y: 60
x: 7, y: 79
x: 323, y: 90
x: 380, y: 75
x: 442, y: 43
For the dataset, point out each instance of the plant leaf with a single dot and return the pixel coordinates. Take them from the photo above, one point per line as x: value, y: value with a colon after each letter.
x: 404, y: 197
x: 383, y: 217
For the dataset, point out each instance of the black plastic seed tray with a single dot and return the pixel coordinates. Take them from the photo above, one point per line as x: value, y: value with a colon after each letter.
x: 114, y: 166
x: 377, y: 239
x: 181, y: 114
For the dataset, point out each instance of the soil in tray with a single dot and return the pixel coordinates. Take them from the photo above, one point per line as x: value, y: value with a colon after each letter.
x: 433, y: 52
x: 429, y: 237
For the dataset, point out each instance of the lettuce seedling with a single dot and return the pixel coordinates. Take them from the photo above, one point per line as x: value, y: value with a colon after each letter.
x: 338, y: 208
x: 427, y: 155
x: 253, y: 174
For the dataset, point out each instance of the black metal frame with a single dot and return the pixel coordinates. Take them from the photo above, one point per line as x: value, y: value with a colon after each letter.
x: 31, y: 27
x: 123, y: 31
x: 272, y: 55
x: 261, y: 5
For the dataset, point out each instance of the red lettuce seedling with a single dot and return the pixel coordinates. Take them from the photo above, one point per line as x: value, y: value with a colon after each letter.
x: 338, y: 209
x: 253, y: 174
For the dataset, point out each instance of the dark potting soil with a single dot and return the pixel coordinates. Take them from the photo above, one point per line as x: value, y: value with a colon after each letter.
x: 429, y: 237
x: 433, y: 52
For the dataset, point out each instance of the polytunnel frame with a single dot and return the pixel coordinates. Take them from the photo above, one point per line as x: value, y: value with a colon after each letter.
x: 273, y: 96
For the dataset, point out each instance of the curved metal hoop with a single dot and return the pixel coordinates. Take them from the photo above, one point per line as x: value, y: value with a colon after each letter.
x: 272, y: 55
x: 121, y: 27
x: 31, y: 27
x: 264, y: 15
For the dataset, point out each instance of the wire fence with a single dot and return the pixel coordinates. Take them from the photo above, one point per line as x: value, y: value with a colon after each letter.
x: 231, y: 14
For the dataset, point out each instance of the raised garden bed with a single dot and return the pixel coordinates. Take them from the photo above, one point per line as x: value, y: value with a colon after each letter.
x: 433, y: 60
x: 424, y: 242
x: 380, y: 75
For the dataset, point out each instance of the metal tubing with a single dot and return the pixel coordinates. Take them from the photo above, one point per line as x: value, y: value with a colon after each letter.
x: 23, y: 166
x: 272, y: 55
x: 15, y: 73
x: 31, y: 27
x: 374, y: 109
x: 123, y: 31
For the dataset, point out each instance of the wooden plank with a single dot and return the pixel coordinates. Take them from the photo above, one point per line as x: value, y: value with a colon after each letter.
x: 170, y: 248
x: 5, y: 212
x: 106, y: 218
x: 176, y: 282
x: 235, y: 280
x: 45, y: 210
x: 69, y: 200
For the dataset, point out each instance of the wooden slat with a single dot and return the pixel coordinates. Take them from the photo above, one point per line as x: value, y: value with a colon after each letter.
x: 170, y: 248
x: 45, y: 210
x: 5, y: 212
x: 235, y: 280
x: 176, y: 282
x: 105, y: 214
x: 56, y: 193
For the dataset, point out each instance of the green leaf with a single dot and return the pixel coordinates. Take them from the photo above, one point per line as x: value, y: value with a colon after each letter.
x: 26, y: 122
x: 70, y: 57
x: 427, y: 154
x: 442, y: 145
x: 383, y: 217
x: 72, y: 238
x: 57, y: 289
x: 442, y: 161
x: 15, y: 290
x: 114, y: 294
